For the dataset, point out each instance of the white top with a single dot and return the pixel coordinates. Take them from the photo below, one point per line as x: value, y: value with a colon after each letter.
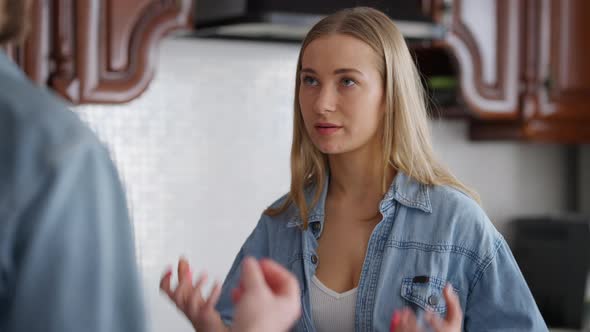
x: 332, y: 311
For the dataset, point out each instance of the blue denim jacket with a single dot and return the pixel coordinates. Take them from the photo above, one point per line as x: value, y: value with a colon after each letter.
x: 429, y: 236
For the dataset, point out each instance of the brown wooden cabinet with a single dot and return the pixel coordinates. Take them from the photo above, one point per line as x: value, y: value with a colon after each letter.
x: 33, y: 55
x: 98, y: 51
x: 486, y: 39
x: 557, y: 101
x: 522, y: 66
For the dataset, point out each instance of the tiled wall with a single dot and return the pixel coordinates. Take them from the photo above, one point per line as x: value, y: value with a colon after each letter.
x: 206, y: 149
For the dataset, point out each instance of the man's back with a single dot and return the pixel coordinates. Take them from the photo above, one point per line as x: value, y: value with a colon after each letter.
x: 66, y: 248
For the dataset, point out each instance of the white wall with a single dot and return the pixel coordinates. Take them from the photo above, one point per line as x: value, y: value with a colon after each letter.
x: 206, y: 149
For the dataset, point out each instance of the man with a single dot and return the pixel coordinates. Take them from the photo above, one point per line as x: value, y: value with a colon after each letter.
x: 67, y: 259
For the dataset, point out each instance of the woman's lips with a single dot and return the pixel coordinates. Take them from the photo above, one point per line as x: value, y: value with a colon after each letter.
x: 327, y: 128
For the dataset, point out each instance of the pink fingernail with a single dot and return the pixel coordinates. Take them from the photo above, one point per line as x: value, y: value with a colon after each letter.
x: 395, y: 319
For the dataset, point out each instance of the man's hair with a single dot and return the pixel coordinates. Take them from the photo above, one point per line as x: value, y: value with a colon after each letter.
x: 13, y: 20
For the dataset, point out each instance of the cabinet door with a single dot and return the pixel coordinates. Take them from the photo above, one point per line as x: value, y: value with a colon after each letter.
x: 486, y: 38
x: 564, y: 60
x: 557, y: 103
x: 33, y: 55
x: 104, y: 50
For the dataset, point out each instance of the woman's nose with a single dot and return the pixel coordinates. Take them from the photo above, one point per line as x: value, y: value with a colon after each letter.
x: 326, y: 101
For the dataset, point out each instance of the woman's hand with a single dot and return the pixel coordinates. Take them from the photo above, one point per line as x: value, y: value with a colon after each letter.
x: 268, y: 298
x: 405, y: 320
x: 188, y: 298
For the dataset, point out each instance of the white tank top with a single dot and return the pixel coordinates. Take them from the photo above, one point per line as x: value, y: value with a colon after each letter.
x: 332, y: 311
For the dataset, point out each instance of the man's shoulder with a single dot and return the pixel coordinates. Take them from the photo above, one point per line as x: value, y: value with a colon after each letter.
x: 33, y: 118
x: 39, y: 136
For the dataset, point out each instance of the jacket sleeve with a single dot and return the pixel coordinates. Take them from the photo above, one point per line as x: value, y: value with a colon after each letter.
x: 500, y: 299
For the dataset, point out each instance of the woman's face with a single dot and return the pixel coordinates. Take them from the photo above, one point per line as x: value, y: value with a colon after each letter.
x: 341, y: 94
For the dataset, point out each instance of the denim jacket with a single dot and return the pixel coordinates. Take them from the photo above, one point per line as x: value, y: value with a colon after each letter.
x: 429, y: 236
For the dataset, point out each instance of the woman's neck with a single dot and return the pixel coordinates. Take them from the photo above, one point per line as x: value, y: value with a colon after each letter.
x: 358, y: 175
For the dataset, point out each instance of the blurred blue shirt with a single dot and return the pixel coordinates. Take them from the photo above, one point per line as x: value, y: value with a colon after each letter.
x: 67, y: 259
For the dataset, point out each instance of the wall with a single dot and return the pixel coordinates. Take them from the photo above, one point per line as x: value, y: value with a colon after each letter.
x: 206, y: 149
x: 584, y: 184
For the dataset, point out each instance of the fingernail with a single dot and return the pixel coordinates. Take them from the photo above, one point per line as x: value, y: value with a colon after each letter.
x: 395, y: 319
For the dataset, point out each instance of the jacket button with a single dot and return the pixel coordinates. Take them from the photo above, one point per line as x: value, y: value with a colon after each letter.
x: 314, y: 259
x: 433, y: 300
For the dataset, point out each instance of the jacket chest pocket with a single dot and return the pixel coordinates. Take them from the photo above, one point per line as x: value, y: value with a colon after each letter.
x: 425, y: 292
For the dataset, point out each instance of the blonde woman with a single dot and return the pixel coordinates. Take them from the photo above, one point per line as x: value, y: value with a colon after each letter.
x: 373, y: 223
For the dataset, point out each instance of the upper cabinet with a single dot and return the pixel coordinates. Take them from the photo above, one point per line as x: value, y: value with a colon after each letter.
x: 557, y: 102
x: 33, y: 55
x: 522, y: 66
x: 518, y: 68
x: 486, y: 38
x: 98, y: 51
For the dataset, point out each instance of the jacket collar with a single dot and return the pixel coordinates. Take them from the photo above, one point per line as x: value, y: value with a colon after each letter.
x: 403, y: 189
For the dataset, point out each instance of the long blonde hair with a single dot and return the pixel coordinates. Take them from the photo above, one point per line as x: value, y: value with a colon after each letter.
x: 406, y: 137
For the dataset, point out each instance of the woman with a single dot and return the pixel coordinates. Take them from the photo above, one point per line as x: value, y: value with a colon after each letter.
x: 373, y: 223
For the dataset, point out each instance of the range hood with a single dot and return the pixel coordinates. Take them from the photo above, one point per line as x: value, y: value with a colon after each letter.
x: 290, y: 20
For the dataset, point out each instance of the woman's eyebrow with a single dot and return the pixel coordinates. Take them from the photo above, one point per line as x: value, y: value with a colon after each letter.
x: 347, y: 70
x: 337, y: 71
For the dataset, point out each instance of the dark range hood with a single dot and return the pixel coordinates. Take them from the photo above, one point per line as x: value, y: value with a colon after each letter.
x: 291, y: 19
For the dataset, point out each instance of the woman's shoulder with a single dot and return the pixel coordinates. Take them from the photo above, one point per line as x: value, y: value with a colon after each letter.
x: 464, y: 218
x: 279, y: 201
x: 277, y: 214
x: 451, y: 202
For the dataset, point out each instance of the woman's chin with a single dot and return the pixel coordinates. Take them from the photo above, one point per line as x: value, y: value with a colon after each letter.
x: 330, y: 149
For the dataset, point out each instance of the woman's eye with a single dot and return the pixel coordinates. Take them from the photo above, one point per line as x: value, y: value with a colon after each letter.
x: 348, y: 82
x: 308, y: 80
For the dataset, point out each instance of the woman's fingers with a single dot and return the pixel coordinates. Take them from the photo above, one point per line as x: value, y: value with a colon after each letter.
x: 188, y: 297
x: 435, y: 322
x: 195, y: 302
x: 184, y: 290
x: 214, y: 296
x: 408, y: 322
x: 165, y: 283
x: 279, y: 279
x: 236, y: 295
x: 454, y: 317
x: 454, y: 312
x: 183, y: 268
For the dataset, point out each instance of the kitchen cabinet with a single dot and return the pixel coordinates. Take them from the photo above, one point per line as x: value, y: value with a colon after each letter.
x: 33, y: 55
x: 485, y: 37
x: 521, y: 66
x: 556, y: 106
x: 98, y: 51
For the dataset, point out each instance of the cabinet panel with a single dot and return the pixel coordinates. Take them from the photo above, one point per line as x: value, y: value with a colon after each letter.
x: 105, y: 50
x: 33, y: 55
x: 563, y: 81
x: 486, y: 37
